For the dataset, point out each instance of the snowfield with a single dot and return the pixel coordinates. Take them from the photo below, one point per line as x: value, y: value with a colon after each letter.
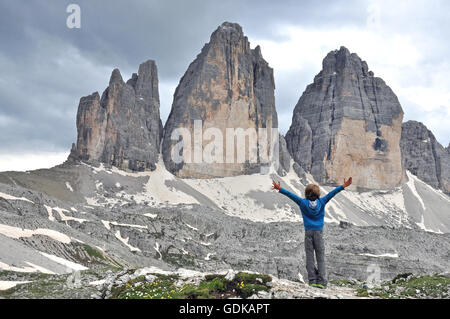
x: 250, y: 197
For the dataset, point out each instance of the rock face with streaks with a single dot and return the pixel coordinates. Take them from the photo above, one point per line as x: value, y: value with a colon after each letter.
x: 284, y: 157
x: 424, y: 156
x: 348, y: 123
x: 122, y: 128
x: 228, y: 86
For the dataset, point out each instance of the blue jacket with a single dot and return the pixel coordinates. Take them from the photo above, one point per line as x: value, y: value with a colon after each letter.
x: 313, y: 212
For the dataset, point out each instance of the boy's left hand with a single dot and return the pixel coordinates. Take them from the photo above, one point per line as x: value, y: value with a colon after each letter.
x: 347, y: 182
x: 276, y: 185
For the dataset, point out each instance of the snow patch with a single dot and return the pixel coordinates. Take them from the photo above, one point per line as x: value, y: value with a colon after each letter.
x: 413, y: 189
x: 50, y: 213
x: 69, y: 187
x: 191, y: 227
x: 64, y: 262
x: 125, y: 241
x: 423, y: 227
x: 10, y: 197
x: 232, y: 195
x: 386, y: 255
x: 5, y: 285
x: 98, y: 185
x: 300, y: 278
x: 64, y: 218
x: 108, y: 223
x: 157, y: 250
x: 31, y: 268
x: 208, y: 256
x: 16, y: 233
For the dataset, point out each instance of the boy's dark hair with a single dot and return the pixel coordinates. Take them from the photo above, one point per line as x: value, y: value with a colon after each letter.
x: 312, y: 192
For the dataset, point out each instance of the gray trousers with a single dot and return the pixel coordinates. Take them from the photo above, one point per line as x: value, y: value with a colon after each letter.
x: 314, y: 243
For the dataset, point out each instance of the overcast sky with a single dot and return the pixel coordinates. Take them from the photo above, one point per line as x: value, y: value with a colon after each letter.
x: 46, y: 67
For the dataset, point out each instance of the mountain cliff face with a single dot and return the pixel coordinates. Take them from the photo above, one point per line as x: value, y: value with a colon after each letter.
x: 123, y: 127
x: 348, y: 123
x: 228, y: 85
x: 424, y: 156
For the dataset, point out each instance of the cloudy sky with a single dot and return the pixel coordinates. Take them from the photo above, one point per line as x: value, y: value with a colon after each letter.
x: 46, y: 67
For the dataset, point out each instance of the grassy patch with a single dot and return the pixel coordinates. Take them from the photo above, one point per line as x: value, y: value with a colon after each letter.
x: 252, y: 278
x: 158, y: 289
x: 213, y: 286
x: 93, y: 252
x: 247, y: 284
x: 408, y: 286
x: 344, y: 283
x: 40, y: 288
x: 207, y: 289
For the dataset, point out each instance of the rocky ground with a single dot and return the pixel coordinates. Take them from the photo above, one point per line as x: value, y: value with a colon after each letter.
x: 82, y: 217
x: 154, y: 283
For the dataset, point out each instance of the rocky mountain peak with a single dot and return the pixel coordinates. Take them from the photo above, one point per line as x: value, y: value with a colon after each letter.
x: 342, y: 61
x: 116, y: 77
x: 348, y: 122
x: 228, y: 85
x: 424, y: 156
x: 123, y: 127
x: 229, y: 28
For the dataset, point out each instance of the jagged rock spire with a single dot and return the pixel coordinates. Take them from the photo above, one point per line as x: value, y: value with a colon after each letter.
x: 123, y: 127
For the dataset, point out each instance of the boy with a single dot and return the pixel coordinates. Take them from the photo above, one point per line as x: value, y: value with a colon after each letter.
x: 313, y: 212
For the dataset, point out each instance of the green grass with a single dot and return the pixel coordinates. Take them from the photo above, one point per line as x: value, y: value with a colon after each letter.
x: 252, y: 278
x: 343, y: 283
x: 427, y: 286
x: 247, y: 284
x: 213, y: 286
x: 93, y: 252
x: 37, y: 289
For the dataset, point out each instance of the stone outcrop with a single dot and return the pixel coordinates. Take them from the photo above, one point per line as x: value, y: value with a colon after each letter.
x: 284, y: 157
x: 122, y: 128
x: 228, y: 85
x: 348, y: 123
x: 424, y: 156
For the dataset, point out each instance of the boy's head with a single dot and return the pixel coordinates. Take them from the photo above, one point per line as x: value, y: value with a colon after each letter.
x: 312, y: 192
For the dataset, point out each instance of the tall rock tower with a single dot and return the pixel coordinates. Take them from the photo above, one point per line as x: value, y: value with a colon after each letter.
x: 122, y: 128
x: 424, y: 156
x: 348, y: 123
x: 228, y: 85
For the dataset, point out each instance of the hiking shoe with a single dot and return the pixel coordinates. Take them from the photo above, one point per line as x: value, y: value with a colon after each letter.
x: 319, y: 286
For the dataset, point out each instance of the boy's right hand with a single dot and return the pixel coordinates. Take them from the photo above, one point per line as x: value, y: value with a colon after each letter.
x: 347, y: 182
x: 276, y: 185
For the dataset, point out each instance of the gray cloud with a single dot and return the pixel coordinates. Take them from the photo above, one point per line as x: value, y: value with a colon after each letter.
x: 47, y: 67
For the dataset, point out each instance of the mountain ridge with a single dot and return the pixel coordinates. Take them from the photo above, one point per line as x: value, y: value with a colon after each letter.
x: 116, y: 202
